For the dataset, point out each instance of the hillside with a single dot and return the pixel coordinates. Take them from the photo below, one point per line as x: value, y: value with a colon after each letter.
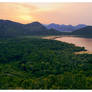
x: 86, y: 32
x: 9, y: 28
x: 37, y: 28
x: 12, y: 29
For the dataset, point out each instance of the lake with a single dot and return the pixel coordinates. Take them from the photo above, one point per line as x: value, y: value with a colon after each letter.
x: 78, y: 41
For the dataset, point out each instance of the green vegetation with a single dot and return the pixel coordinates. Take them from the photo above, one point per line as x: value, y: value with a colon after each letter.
x: 34, y: 63
x: 83, y: 32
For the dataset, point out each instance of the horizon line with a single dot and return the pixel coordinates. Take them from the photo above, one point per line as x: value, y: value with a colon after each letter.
x: 43, y: 23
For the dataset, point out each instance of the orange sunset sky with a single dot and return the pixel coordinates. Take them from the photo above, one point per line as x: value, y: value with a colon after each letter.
x: 60, y: 13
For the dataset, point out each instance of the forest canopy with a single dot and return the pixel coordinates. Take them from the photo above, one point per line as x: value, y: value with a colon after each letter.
x: 34, y: 63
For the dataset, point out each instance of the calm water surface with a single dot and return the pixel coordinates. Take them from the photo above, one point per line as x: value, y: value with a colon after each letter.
x: 82, y: 42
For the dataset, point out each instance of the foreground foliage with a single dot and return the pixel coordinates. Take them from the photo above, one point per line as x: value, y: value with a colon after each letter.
x: 33, y: 63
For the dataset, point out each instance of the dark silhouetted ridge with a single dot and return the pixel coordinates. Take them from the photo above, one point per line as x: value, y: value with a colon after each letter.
x: 12, y: 29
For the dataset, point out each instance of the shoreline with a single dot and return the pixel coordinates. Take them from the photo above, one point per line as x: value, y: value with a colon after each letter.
x: 83, y: 52
x: 51, y: 37
x: 54, y: 38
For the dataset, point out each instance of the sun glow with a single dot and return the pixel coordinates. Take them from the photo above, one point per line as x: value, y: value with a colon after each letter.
x: 26, y: 17
x: 60, y: 13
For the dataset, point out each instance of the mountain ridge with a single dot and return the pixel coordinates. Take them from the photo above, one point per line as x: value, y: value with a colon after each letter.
x: 63, y: 27
x: 11, y: 29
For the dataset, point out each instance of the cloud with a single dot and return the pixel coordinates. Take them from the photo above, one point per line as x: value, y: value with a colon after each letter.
x: 16, y: 11
x: 63, y: 13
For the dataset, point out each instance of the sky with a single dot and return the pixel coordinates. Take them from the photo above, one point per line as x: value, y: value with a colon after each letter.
x: 46, y: 13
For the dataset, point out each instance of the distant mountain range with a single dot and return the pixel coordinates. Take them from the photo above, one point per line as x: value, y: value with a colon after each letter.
x: 12, y: 29
x: 64, y: 28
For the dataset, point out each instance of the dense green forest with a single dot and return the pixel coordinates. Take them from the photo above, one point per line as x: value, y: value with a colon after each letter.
x: 34, y: 63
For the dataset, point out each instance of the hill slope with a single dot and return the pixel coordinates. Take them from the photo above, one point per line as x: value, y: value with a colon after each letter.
x: 9, y: 28
x: 37, y: 28
x: 12, y: 29
x: 87, y: 31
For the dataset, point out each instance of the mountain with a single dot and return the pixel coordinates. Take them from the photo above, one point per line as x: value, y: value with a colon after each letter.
x: 11, y: 29
x: 37, y: 28
x: 80, y: 26
x: 86, y: 31
x: 64, y: 28
x: 34, y: 26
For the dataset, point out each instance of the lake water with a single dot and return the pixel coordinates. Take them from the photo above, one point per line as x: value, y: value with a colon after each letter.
x: 82, y: 42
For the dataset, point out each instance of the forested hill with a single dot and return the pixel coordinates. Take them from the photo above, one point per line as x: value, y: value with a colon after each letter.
x: 86, y: 31
x: 11, y: 29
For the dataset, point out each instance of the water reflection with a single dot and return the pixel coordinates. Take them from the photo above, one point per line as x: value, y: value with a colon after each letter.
x: 83, y: 42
